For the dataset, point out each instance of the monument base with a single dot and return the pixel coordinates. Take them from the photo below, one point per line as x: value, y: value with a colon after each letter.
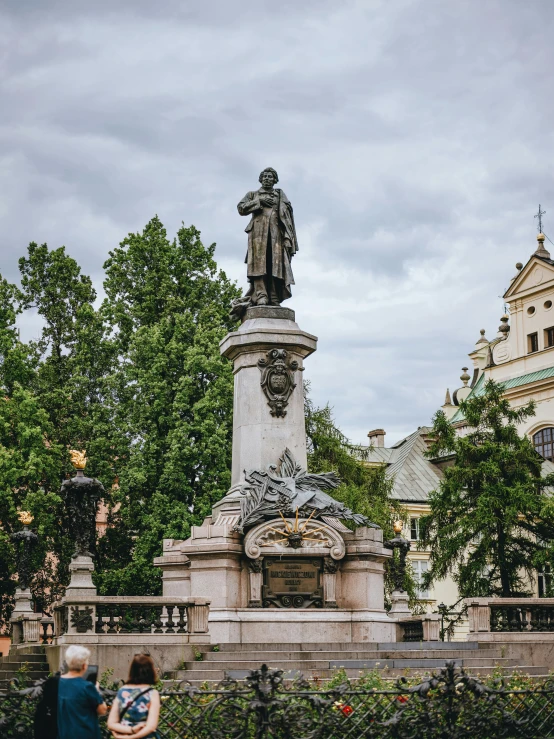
x: 299, y: 626
x: 338, y: 591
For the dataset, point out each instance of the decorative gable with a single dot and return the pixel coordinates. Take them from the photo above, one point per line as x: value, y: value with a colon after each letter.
x: 536, y: 274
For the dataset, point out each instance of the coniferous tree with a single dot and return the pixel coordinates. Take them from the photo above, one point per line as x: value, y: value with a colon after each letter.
x: 491, y: 522
x: 364, y: 489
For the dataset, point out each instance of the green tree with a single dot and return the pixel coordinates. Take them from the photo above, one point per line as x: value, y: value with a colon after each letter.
x: 491, y: 518
x: 54, y: 390
x: 76, y: 355
x: 173, y: 396
x: 29, y: 458
x: 365, y: 489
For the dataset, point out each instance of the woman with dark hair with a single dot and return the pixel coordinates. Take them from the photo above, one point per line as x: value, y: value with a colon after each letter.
x: 136, y: 708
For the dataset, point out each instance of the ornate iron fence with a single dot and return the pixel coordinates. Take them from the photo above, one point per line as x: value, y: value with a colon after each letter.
x: 448, y: 704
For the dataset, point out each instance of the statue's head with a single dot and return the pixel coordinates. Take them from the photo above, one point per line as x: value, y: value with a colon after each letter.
x: 268, y: 177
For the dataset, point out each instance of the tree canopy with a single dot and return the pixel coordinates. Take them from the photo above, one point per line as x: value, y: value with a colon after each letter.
x: 491, y: 522
x: 137, y: 381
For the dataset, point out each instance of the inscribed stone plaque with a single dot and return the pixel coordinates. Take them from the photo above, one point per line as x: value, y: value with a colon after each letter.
x: 292, y: 583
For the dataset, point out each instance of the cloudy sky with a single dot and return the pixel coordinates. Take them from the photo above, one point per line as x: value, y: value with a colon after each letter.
x: 413, y: 137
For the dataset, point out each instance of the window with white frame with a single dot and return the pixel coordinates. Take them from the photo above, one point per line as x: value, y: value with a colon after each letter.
x: 420, y: 567
x: 414, y: 529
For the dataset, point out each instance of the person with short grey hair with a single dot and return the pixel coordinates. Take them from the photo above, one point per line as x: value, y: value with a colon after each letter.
x: 79, y: 701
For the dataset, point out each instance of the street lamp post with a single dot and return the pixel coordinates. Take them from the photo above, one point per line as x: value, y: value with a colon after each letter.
x: 442, y: 610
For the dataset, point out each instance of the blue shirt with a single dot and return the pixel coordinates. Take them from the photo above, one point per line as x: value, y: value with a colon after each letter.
x: 77, y: 703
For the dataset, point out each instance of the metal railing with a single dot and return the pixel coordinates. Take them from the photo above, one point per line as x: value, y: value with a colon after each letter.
x: 448, y: 704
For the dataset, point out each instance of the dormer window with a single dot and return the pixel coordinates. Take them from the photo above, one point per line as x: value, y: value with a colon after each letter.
x: 549, y: 337
x: 532, y: 343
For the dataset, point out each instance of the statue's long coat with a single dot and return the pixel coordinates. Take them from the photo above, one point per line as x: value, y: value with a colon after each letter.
x: 272, y: 227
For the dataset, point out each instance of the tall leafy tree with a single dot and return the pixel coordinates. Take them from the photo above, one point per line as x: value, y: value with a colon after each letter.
x: 75, y: 353
x: 169, y: 306
x: 55, y: 388
x: 29, y: 458
x: 491, y: 522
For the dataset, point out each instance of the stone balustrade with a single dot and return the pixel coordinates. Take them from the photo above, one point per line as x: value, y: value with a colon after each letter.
x: 114, y: 616
x: 510, y: 619
x: 117, y: 616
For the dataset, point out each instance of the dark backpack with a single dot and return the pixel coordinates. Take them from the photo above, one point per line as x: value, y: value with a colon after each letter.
x: 46, y: 715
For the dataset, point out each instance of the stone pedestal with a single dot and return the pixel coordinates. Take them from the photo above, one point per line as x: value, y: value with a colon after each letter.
x: 23, y: 603
x: 81, y: 569
x: 261, y: 432
x: 400, y: 607
x: 25, y: 623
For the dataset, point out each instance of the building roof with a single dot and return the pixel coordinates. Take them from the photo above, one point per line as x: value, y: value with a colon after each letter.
x: 414, y: 476
x: 512, y: 382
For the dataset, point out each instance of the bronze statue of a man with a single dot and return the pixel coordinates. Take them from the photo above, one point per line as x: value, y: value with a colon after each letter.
x: 271, y: 243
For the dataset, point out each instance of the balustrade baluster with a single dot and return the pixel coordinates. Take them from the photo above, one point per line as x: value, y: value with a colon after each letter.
x: 158, y: 623
x: 143, y: 618
x: 46, y: 638
x: 134, y: 618
x: 112, y: 623
x: 170, y: 623
x: 533, y: 621
x: 100, y: 613
x: 524, y: 622
x: 182, y: 624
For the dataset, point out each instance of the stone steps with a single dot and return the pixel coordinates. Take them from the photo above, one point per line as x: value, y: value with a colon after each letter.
x: 30, y: 660
x: 323, y: 661
x: 358, y: 664
x: 356, y: 646
x: 271, y: 656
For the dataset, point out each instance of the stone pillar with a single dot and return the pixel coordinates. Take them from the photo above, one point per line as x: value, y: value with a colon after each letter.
x: 330, y: 569
x: 400, y: 608
x: 268, y: 407
x: 81, y: 568
x: 23, y: 603
x: 25, y: 623
x: 255, y: 567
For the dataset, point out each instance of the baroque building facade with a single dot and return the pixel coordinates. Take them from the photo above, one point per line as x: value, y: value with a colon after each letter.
x: 520, y: 357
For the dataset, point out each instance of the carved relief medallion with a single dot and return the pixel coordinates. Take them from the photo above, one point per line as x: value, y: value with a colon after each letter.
x: 286, y: 537
x: 277, y: 379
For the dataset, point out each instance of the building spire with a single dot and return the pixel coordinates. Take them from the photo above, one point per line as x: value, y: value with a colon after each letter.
x: 539, y: 215
x: 541, y: 251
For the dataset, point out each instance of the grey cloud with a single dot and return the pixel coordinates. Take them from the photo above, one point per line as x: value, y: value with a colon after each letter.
x: 413, y: 139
